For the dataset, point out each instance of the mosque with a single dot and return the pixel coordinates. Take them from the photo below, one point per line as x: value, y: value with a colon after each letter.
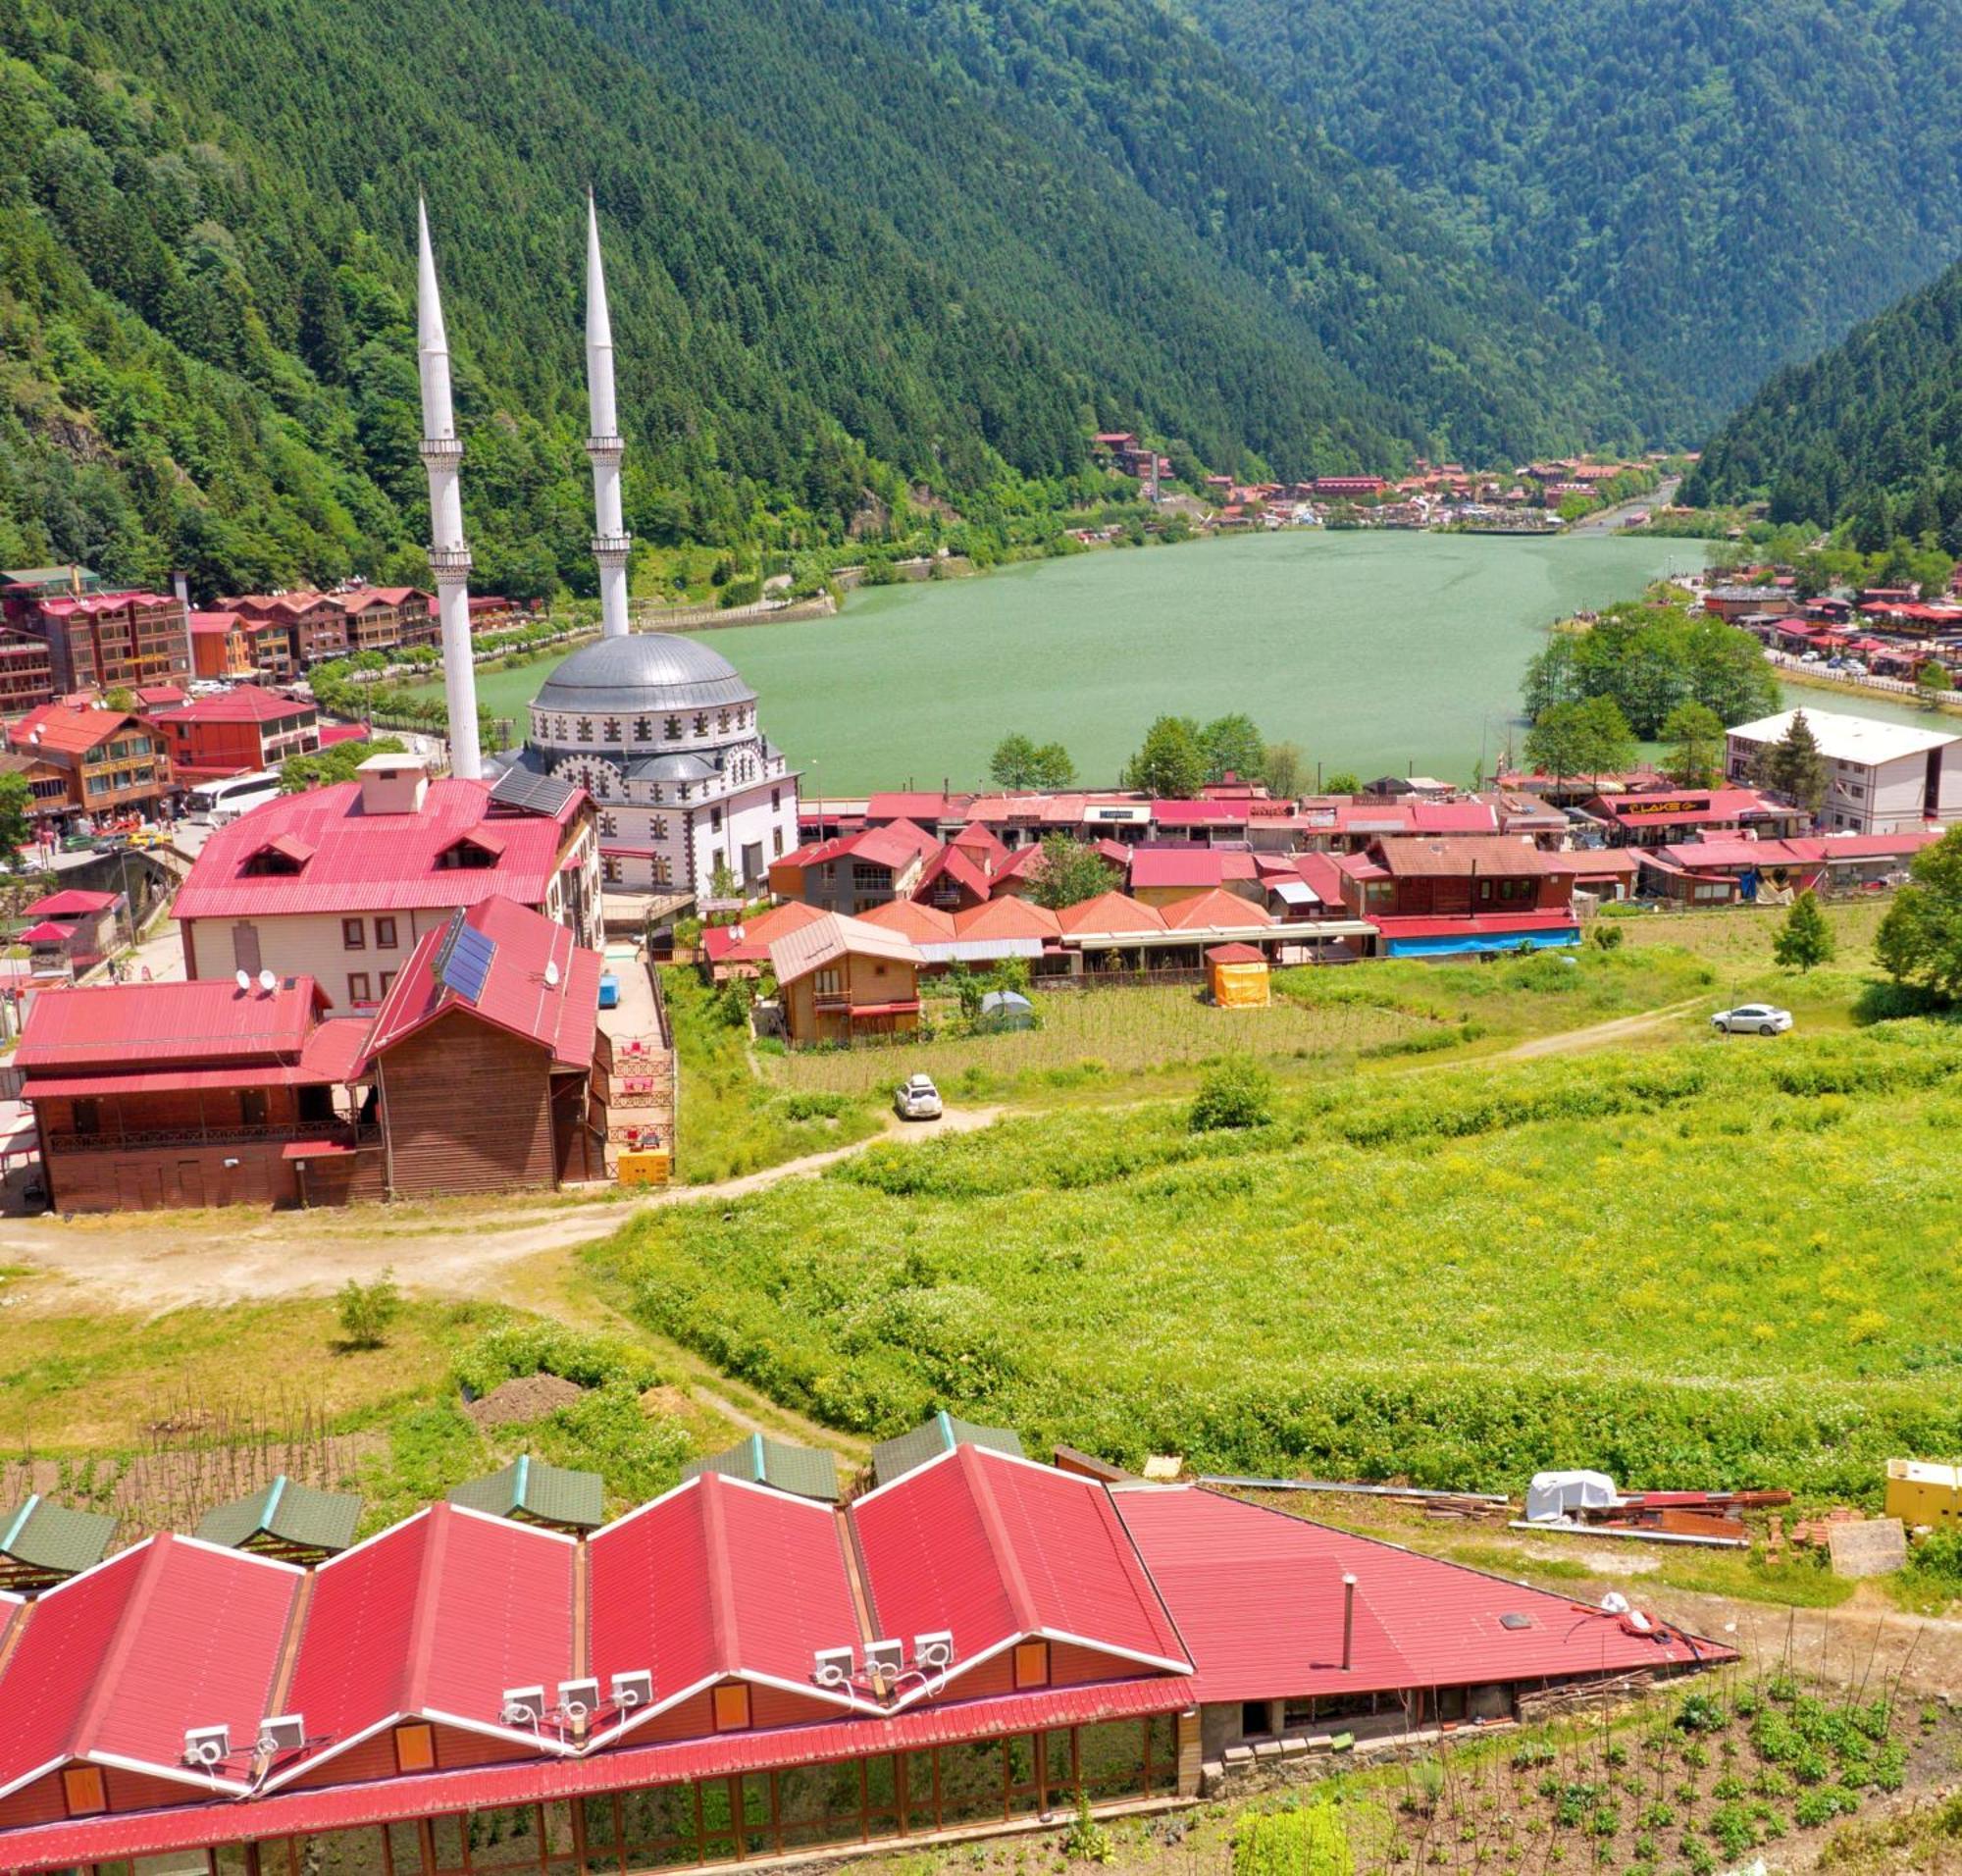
x: 659, y: 730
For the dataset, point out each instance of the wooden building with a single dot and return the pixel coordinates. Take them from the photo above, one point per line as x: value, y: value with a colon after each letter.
x: 843, y: 979
x: 242, y: 730
x: 114, y: 762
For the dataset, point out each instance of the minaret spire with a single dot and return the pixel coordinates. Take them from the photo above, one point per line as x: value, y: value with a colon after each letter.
x: 448, y: 554
x: 610, y: 538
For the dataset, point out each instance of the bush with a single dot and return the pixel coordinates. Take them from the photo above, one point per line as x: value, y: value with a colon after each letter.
x: 1087, y: 1841
x: 513, y: 1350
x: 366, y: 1310
x: 1310, y: 1841
x: 743, y: 592
x: 1606, y: 937
x: 1235, y: 1094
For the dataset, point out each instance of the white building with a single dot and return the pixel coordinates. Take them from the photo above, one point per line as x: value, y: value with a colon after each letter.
x: 662, y: 733
x: 1884, y: 778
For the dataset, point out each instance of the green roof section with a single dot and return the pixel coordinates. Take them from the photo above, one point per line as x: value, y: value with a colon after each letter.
x: 895, y: 1458
x: 537, y: 1493
x: 798, y: 1470
x: 285, y: 1518
x: 41, y: 1543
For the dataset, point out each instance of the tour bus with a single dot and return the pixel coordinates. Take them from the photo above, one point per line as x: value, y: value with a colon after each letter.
x: 214, y: 803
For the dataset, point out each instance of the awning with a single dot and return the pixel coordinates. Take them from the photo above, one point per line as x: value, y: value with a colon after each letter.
x: 314, y: 1149
x: 884, y: 1009
x: 1295, y: 892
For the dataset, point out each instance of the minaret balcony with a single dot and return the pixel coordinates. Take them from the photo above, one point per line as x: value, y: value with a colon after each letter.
x: 449, y: 561
x: 441, y: 449
x: 605, y: 446
x: 606, y: 544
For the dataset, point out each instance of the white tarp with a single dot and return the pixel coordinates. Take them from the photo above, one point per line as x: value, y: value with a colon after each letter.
x: 1559, y: 1494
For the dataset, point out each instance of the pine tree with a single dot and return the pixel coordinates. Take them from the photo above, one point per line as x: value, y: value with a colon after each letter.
x: 1793, y: 768
x: 1805, y: 939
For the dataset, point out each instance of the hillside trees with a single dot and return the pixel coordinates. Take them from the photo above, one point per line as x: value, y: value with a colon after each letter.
x: 1651, y: 659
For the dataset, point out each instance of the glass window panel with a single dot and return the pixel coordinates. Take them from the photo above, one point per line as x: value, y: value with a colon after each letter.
x: 921, y: 1813
x: 1113, y: 1758
x: 1060, y: 1764
x: 505, y: 1837
x: 1023, y: 1793
x: 325, y: 1854
x: 183, y: 1862
x: 227, y: 1859
x: 275, y: 1856
x: 970, y: 1782
x: 405, y: 1850
x: 447, y: 1831
x: 882, y: 1788
x: 801, y: 1791
x: 556, y: 1817
x: 658, y: 1826
x: 717, y: 1812
x: 1162, y: 1733
x: 758, y: 1833
x: 602, y: 1833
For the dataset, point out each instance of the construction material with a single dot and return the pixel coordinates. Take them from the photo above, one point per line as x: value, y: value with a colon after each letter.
x: 1589, y: 1501
x: 1417, y: 1493
x: 1867, y: 1547
x: 1572, y: 1527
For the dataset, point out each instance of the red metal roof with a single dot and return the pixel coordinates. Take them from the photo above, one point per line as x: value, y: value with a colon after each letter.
x: 921, y: 923
x: 920, y: 804
x: 538, y: 984
x: 47, y: 933
x: 1006, y: 917
x: 109, y: 1025
x: 749, y: 942
x: 247, y: 704
x: 1256, y: 1595
x: 1235, y: 954
x: 1217, y: 909
x: 996, y: 1549
x: 69, y: 903
x: 66, y: 728
x: 960, y: 867
x: 1111, y: 913
x: 1682, y: 807
x: 365, y: 861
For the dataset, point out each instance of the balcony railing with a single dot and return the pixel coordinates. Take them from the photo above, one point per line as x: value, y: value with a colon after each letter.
x: 340, y: 1132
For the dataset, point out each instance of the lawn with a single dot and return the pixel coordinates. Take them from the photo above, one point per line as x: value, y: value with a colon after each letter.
x: 1710, y: 1263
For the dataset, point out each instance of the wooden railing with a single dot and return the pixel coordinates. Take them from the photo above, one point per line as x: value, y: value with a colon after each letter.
x: 339, y: 1132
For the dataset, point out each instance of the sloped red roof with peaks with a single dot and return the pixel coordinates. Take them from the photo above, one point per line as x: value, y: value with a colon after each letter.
x: 245, y: 704
x: 954, y: 863
x: 923, y: 925
x: 1114, y: 912
x: 1006, y: 917
x: 71, y: 729
x: 75, y: 1028
x: 1216, y: 910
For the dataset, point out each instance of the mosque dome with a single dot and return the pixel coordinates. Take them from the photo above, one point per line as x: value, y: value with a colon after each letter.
x: 646, y: 672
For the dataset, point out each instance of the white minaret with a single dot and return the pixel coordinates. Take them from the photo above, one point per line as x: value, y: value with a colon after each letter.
x: 610, y: 538
x: 449, y: 557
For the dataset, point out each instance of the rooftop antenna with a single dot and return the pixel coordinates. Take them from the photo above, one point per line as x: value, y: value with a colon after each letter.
x: 245, y: 980
x: 266, y: 981
x: 551, y: 973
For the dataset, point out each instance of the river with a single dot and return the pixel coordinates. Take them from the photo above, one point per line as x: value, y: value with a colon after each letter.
x: 1374, y: 652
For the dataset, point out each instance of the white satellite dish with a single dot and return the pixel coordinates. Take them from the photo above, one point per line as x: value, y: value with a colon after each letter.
x: 267, y: 980
x: 245, y: 980
x: 551, y: 973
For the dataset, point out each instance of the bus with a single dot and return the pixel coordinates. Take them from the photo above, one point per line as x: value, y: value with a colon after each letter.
x: 214, y: 803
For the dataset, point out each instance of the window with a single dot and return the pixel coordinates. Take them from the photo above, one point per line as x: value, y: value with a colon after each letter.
x: 82, y: 1790
x: 384, y: 980
x: 415, y: 1748
x: 583, y: 729
x: 357, y: 987
x: 722, y: 723
x: 671, y: 729
x: 868, y: 878
x: 1031, y: 1665
x: 353, y: 935
x: 732, y: 1707
x: 777, y: 842
x: 829, y: 982
x: 715, y: 820
x: 384, y: 935
x: 643, y: 729
x: 609, y: 825
x: 85, y: 1114
x: 610, y: 869
x: 657, y: 827
x: 610, y: 729
x: 252, y: 1109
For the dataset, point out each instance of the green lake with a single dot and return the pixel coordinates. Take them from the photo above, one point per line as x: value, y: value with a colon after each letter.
x: 1374, y: 652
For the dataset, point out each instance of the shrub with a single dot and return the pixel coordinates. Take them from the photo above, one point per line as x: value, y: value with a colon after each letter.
x: 1699, y: 1713
x: 515, y: 1349
x: 1310, y: 1841
x: 366, y: 1310
x: 1088, y: 1841
x: 1235, y: 1094
x: 1606, y: 937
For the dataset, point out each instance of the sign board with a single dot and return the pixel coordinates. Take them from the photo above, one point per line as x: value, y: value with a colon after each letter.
x: 1872, y: 1547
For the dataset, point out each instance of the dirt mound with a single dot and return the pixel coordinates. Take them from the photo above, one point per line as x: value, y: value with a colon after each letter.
x: 529, y: 1397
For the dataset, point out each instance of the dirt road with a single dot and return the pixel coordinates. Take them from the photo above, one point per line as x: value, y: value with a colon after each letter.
x: 1602, y: 1035
x: 439, y: 1249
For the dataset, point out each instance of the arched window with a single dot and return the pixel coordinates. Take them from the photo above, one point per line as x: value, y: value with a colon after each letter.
x: 611, y: 729
x: 701, y: 724
x: 583, y: 729
x: 671, y: 729
x: 643, y: 729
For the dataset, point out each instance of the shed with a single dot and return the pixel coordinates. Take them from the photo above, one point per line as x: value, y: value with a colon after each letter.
x: 1007, y: 1010
x: 798, y: 1470
x: 295, y: 1523
x: 1236, y: 978
x: 895, y: 1458
x: 40, y: 1544
x: 533, y: 1492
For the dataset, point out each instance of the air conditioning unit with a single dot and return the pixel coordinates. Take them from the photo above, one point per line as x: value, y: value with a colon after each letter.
x: 523, y: 1707
x: 635, y: 1687
x: 207, y: 1746
x: 282, y: 1733
x: 933, y: 1651
x: 884, y: 1658
x: 578, y: 1699
x: 833, y: 1667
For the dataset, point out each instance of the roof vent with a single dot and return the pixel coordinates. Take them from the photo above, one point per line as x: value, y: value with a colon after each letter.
x: 523, y: 1707
x: 833, y: 1667
x: 207, y: 1746
x: 576, y: 1699
x: 282, y: 1733
x: 635, y: 1687
x: 933, y: 1652
x: 883, y: 1663
x: 1514, y: 1620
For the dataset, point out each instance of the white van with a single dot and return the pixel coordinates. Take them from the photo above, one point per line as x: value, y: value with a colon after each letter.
x: 215, y: 804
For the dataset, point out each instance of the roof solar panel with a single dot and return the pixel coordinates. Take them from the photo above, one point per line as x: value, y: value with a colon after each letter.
x: 527, y: 790
x: 468, y: 963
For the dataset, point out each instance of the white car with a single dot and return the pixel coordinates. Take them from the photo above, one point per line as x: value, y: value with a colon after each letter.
x: 1753, y: 1020
x: 916, y: 1099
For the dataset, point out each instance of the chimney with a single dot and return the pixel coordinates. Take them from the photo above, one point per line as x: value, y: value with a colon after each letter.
x: 394, y: 784
x: 1348, y: 1620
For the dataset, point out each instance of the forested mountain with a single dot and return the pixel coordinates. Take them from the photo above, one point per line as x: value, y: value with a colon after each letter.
x: 1713, y: 189
x: 1869, y: 433
x: 849, y: 246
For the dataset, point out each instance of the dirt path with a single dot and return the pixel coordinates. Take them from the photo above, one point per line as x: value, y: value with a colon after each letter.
x: 1600, y: 1036
x: 449, y: 1250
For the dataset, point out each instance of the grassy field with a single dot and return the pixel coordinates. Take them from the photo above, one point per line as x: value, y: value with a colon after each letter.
x: 1707, y: 1262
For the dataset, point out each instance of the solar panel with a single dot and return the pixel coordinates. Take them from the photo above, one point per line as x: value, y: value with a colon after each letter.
x: 525, y: 789
x: 468, y: 963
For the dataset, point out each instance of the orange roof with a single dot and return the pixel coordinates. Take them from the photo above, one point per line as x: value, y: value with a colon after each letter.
x: 922, y: 924
x: 61, y: 726
x: 1109, y: 913
x: 1216, y: 908
x: 1006, y: 917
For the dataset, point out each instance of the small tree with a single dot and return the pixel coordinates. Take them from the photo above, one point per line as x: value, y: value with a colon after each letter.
x: 1695, y: 735
x: 1232, y: 746
x: 1344, y: 781
x: 1068, y: 873
x: 1284, y: 769
x: 1932, y: 682
x: 1020, y: 763
x: 16, y: 826
x: 1805, y: 938
x: 1235, y: 1093
x: 366, y: 1310
x: 1920, y: 940
x: 1169, y: 764
x: 1590, y: 737
x: 1793, y: 768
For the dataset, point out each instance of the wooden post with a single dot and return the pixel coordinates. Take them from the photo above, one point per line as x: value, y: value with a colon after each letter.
x: 1189, y: 1752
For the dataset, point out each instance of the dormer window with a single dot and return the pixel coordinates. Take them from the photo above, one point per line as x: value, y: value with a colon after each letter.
x: 473, y: 853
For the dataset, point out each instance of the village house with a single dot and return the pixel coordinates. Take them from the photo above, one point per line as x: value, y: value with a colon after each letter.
x: 704, y: 1680
x: 340, y: 884
x: 1463, y: 893
x: 222, y: 645
x: 113, y: 761
x: 27, y: 673
x: 245, y: 729
x: 842, y: 978
x: 70, y: 931
x: 104, y: 640
x: 1655, y: 817
x: 47, y: 786
x: 855, y: 871
x: 1883, y: 778
x: 1706, y: 872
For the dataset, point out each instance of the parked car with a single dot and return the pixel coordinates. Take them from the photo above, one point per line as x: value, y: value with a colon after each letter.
x: 916, y: 1099
x: 1753, y: 1020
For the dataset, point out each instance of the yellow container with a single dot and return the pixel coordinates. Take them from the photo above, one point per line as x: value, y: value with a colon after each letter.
x: 1921, y: 1493
x: 643, y: 1168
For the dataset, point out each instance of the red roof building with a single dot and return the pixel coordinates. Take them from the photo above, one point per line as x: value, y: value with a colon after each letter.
x: 114, y: 762
x: 242, y: 730
x: 1655, y: 817
x: 968, y: 1645
x: 854, y: 872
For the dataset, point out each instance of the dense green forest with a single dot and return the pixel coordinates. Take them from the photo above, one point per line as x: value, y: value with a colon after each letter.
x: 1713, y: 189
x: 852, y: 248
x: 1868, y: 436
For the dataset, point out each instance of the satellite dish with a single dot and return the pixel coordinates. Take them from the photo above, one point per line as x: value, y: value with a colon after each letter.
x: 245, y: 980
x: 551, y: 973
x: 267, y: 980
